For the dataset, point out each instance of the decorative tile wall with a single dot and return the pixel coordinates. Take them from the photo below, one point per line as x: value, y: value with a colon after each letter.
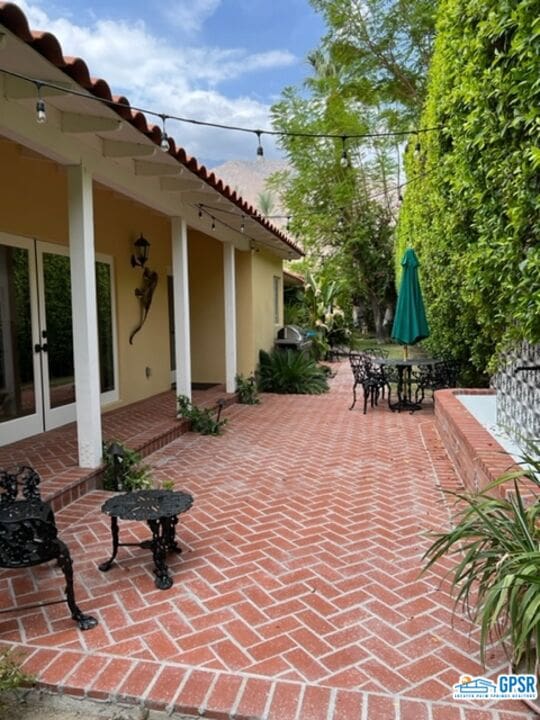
x: 518, y: 394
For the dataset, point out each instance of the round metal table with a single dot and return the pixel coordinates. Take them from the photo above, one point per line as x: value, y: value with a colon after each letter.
x: 158, y: 508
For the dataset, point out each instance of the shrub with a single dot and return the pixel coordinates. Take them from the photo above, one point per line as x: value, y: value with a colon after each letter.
x: 246, y: 389
x: 123, y: 470
x: 290, y: 371
x: 472, y: 207
x: 202, y: 420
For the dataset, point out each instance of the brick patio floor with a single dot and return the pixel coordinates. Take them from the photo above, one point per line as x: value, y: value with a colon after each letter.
x: 297, y: 596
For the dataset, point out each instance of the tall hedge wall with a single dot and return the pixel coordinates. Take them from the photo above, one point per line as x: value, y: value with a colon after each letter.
x: 471, y: 210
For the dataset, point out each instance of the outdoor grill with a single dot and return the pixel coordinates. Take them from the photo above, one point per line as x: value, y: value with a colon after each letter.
x: 293, y: 337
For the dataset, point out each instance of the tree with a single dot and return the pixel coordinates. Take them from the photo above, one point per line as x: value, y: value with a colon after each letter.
x: 383, y: 48
x: 266, y: 202
x: 368, y: 78
x: 344, y: 215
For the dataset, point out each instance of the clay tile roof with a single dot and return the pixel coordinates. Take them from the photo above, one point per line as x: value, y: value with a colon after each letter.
x: 47, y: 45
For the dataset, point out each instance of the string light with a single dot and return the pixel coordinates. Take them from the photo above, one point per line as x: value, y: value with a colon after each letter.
x: 344, y: 162
x: 242, y: 225
x: 164, y: 144
x: 40, y: 107
x: 341, y: 220
x: 260, y: 149
x: 115, y: 104
x: 253, y: 242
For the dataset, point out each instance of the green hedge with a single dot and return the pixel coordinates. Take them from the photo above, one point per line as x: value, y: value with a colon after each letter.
x: 472, y: 213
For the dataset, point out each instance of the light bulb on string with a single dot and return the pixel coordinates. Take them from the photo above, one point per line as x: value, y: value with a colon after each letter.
x: 40, y: 107
x: 242, y: 225
x: 344, y: 161
x: 260, y: 149
x: 213, y: 224
x: 164, y: 144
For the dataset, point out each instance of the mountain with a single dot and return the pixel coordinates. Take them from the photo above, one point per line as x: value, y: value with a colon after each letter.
x: 249, y: 179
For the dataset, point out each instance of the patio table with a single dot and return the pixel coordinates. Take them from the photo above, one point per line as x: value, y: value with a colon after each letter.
x: 404, y: 380
x: 160, y: 510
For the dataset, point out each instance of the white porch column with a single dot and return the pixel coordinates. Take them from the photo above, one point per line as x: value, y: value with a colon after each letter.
x: 182, y: 339
x: 230, y: 317
x: 83, y: 301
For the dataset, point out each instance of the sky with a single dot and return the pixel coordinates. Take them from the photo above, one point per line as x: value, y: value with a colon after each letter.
x: 222, y: 61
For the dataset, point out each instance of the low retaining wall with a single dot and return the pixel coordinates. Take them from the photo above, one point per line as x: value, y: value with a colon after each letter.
x: 477, y: 456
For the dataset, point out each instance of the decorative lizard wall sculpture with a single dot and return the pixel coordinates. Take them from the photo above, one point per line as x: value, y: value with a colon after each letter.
x: 145, y: 295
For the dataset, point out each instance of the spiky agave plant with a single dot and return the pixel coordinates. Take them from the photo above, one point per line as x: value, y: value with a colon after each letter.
x: 290, y: 371
x: 496, y: 540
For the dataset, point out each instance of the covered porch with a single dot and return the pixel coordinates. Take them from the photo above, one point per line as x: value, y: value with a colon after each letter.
x: 125, y: 265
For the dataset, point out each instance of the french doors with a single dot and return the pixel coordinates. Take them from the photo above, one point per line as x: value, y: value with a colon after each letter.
x: 37, y: 381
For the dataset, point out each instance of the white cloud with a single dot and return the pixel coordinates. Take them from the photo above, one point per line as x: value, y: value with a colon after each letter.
x: 172, y: 80
x: 189, y: 15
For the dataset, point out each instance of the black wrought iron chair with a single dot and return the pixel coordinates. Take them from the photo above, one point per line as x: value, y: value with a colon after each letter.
x: 28, y: 535
x: 369, y: 376
x: 443, y: 374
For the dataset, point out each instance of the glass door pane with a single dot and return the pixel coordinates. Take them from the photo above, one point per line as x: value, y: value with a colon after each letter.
x: 57, y: 333
x: 17, y: 381
x: 105, y: 326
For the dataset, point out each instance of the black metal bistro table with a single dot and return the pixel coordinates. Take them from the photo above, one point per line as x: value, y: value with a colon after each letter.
x: 160, y: 509
x: 404, y: 380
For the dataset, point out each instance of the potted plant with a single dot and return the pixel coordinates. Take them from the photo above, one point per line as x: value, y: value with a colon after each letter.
x: 496, y: 540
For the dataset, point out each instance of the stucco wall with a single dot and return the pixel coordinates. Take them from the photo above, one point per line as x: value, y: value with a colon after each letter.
x: 118, y: 223
x: 244, y: 323
x: 265, y: 267
x: 33, y: 201
x: 206, y: 308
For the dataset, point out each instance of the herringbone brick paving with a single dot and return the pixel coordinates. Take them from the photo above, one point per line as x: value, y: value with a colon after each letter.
x: 297, y: 596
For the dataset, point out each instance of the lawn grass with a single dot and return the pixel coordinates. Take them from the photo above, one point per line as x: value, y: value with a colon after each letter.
x: 361, y: 342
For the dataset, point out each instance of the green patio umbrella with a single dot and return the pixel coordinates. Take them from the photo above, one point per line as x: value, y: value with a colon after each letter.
x: 410, y: 323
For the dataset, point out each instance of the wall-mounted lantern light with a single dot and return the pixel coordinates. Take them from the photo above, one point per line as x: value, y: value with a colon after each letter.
x: 142, y: 250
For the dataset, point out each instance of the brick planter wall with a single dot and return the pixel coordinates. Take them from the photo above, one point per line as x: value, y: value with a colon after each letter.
x: 477, y: 456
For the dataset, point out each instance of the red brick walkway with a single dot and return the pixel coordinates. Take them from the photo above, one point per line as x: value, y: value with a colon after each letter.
x: 297, y: 596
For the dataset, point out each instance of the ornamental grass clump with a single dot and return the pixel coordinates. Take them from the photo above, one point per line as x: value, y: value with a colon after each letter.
x: 496, y: 542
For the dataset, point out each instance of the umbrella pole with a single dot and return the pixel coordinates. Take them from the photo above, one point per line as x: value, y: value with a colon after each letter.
x: 405, y: 352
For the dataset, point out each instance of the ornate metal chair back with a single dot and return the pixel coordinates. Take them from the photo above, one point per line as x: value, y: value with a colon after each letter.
x: 28, y: 533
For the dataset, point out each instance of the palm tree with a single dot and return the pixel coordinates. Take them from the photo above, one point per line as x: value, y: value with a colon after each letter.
x: 266, y: 202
